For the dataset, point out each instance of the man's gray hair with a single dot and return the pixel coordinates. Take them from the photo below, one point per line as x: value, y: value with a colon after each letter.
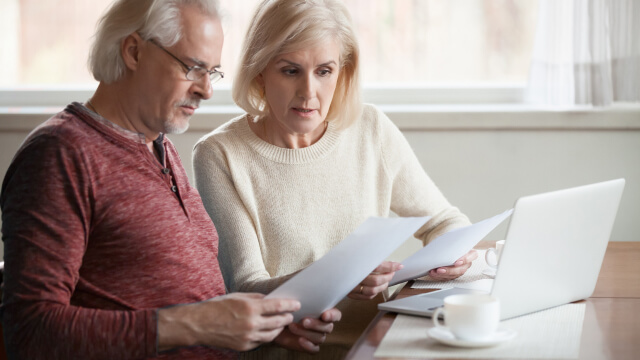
x: 151, y: 19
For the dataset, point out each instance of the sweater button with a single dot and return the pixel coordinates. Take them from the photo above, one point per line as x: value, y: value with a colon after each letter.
x: 166, y: 171
x: 174, y: 188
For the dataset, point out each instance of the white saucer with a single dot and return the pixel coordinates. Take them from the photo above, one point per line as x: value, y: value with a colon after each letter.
x: 489, y: 272
x: 445, y: 336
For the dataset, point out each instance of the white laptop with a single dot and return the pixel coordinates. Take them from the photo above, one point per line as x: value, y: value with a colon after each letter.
x: 552, y: 254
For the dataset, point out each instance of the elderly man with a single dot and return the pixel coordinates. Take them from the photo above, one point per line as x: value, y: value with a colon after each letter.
x: 103, y: 233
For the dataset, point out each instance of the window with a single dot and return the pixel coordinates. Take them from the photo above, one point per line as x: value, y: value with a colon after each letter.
x: 46, y: 42
x: 406, y: 43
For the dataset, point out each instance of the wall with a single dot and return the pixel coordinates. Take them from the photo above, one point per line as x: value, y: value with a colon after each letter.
x: 482, y: 159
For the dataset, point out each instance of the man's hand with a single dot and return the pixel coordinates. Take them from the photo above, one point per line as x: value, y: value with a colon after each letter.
x: 376, y: 282
x: 456, y: 270
x: 238, y: 321
x: 310, y: 333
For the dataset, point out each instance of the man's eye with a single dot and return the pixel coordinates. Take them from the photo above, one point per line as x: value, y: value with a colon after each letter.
x: 200, y: 70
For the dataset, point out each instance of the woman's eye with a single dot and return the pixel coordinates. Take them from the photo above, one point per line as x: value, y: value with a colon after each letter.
x: 324, y: 72
x: 289, y: 71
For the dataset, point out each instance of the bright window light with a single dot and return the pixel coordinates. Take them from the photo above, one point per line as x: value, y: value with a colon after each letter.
x: 403, y: 42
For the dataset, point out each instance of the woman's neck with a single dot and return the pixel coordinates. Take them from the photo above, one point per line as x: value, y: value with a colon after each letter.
x: 267, y: 130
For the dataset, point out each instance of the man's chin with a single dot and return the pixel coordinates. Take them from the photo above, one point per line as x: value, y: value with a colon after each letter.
x: 174, y: 128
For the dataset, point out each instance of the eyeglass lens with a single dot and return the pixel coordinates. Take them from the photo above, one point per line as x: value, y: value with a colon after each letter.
x: 197, y: 73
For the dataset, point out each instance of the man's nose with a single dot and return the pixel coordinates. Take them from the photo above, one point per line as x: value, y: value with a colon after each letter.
x: 203, y: 87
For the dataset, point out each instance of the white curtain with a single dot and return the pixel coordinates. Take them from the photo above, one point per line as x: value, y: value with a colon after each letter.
x: 586, y: 52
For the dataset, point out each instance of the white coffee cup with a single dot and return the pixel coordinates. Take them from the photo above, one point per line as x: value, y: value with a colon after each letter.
x: 493, y: 260
x: 470, y: 317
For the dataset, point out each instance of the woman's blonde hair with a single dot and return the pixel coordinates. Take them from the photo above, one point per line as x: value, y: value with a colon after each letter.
x: 152, y: 19
x: 283, y: 26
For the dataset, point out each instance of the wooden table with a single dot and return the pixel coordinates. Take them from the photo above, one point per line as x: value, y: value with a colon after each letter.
x: 611, y: 328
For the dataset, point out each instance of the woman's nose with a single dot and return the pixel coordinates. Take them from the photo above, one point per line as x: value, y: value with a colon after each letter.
x: 306, y: 87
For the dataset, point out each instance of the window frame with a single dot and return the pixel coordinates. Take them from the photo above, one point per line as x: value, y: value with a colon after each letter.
x: 498, y: 107
x: 383, y: 94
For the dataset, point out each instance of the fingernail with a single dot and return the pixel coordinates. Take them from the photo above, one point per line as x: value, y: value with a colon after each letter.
x: 441, y: 271
x: 306, y: 322
x: 459, y: 262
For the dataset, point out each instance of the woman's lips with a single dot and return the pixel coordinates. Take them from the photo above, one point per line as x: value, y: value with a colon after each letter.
x: 303, y: 111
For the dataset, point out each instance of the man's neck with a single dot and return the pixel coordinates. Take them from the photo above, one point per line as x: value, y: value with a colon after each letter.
x: 110, y: 102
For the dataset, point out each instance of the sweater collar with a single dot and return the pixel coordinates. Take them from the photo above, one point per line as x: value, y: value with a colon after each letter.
x: 316, y: 151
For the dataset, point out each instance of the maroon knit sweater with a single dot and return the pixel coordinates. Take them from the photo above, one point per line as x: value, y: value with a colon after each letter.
x: 96, y: 238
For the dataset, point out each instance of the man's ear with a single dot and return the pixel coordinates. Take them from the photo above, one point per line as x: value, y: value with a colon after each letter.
x: 130, y: 49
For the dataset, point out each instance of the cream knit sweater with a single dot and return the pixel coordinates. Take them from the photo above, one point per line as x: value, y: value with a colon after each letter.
x: 278, y: 210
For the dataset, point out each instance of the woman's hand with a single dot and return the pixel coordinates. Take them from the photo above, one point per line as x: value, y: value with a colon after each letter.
x: 309, y: 334
x: 376, y: 282
x: 456, y: 270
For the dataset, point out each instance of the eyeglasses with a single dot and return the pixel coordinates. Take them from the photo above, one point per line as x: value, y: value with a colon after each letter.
x: 194, y: 72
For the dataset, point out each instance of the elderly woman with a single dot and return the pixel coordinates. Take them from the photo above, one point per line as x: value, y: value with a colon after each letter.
x: 308, y: 162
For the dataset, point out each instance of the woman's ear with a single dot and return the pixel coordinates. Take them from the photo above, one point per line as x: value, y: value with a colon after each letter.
x: 130, y: 49
x: 260, y: 80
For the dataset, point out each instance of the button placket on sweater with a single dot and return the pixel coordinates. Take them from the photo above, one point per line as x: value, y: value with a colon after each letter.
x: 167, y: 173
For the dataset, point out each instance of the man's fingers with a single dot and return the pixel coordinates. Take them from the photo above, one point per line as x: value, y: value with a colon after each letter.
x: 268, y: 335
x: 247, y: 295
x: 278, y: 306
x: 274, y: 322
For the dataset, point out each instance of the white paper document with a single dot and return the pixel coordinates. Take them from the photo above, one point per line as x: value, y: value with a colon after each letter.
x: 446, y: 249
x: 328, y: 280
